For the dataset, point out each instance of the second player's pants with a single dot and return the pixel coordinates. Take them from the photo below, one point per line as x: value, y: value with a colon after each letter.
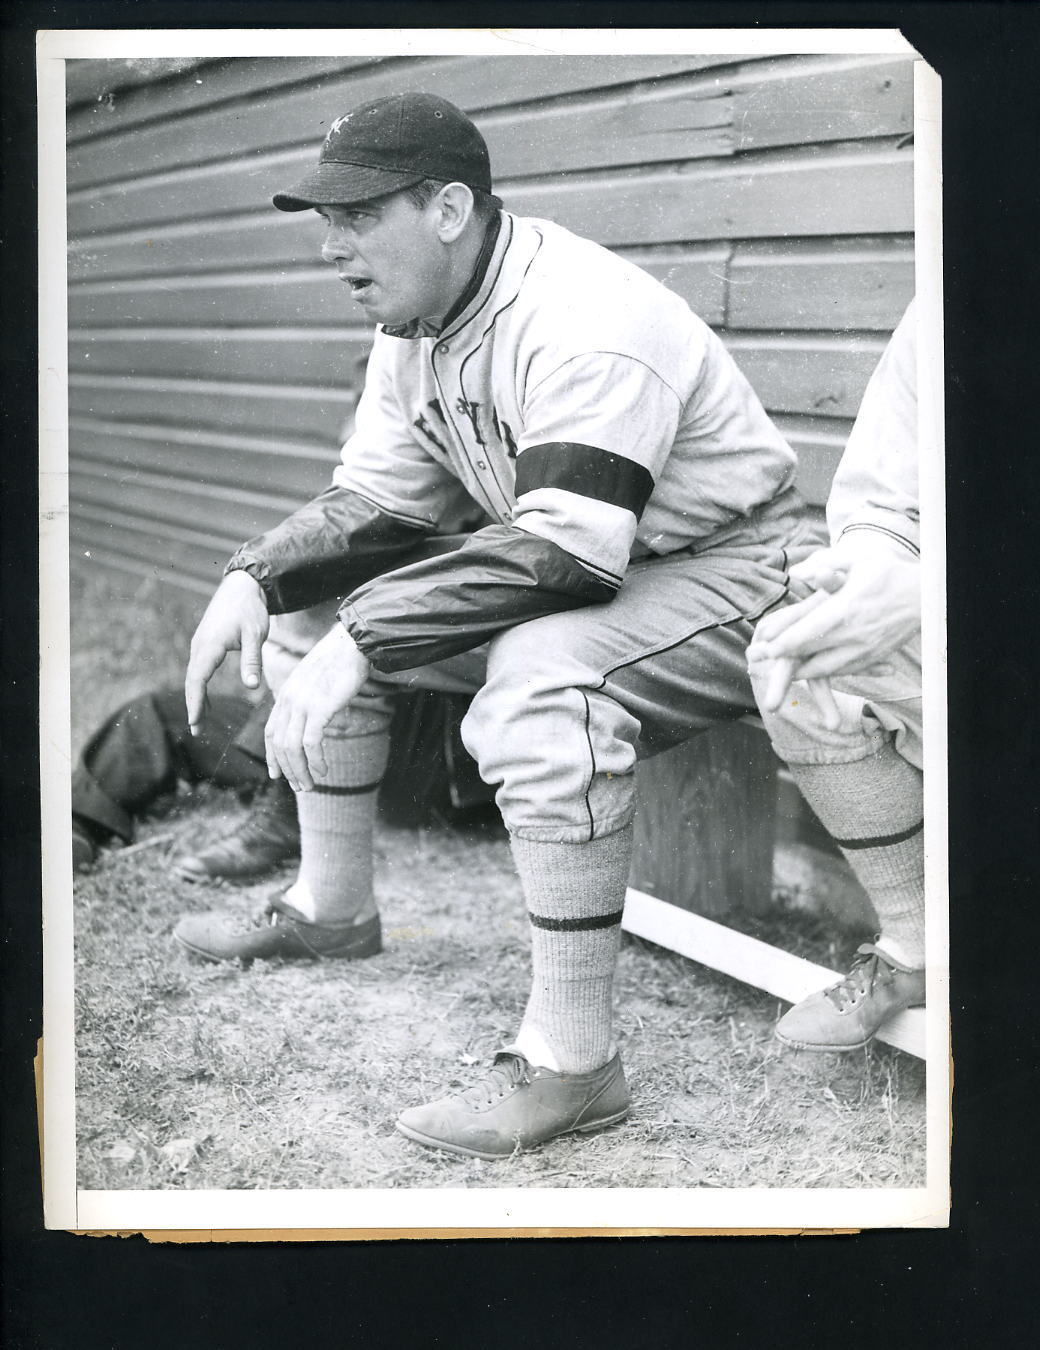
x: 874, y: 711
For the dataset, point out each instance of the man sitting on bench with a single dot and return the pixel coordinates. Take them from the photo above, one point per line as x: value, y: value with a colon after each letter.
x: 837, y: 675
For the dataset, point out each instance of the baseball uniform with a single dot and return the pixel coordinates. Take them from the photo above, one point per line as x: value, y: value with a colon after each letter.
x: 875, y: 489
x: 644, y: 517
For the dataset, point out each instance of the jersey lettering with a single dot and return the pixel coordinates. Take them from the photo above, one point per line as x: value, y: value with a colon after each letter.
x: 471, y: 410
x: 422, y: 425
x: 503, y: 433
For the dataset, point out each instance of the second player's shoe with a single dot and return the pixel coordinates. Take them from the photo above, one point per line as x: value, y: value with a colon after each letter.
x: 518, y: 1105
x: 847, y: 1016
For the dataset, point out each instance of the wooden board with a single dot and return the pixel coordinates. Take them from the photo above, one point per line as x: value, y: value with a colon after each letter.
x: 312, y: 355
x: 819, y: 443
x: 213, y: 81
x: 806, y: 100
x: 202, y: 552
x: 304, y: 295
x: 861, y: 189
x: 211, y: 508
x: 128, y: 452
x: 302, y: 413
x: 745, y: 958
x: 704, y: 827
x: 814, y: 373
x: 302, y: 116
x: 861, y: 283
x: 691, y: 116
x: 559, y: 140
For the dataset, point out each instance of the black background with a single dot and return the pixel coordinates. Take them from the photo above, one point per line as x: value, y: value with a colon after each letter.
x: 971, y: 1285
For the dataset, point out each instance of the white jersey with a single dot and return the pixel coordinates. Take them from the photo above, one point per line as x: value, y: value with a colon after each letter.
x: 580, y: 403
x: 574, y: 397
x: 876, y: 485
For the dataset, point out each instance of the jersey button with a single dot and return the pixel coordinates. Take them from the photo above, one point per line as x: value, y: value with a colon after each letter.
x: 481, y: 464
x: 443, y: 348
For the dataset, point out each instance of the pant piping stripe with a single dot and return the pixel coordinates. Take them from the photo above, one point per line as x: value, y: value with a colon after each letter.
x: 592, y: 775
x: 881, y: 840
x: 327, y: 791
x: 575, y: 925
x: 705, y: 628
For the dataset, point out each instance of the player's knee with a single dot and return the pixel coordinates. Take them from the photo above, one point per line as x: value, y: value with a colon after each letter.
x: 515, y: 718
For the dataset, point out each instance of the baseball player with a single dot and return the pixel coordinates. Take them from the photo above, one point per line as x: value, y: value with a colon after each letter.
x: 643, y: 518
x: 838, y: 679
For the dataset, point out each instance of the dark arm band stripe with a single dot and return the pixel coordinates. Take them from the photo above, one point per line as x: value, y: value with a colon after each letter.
x: 586, y: 470
x: 575, y: 925
x: 881, y: 840
x: 346, y: 791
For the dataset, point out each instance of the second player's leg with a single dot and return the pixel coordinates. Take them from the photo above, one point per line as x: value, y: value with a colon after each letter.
x: 862, y: 776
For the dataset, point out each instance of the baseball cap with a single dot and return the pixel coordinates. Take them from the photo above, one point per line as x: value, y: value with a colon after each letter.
x: 390, y: 144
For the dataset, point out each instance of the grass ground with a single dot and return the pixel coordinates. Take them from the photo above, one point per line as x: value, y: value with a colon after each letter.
x: 285, y: 1075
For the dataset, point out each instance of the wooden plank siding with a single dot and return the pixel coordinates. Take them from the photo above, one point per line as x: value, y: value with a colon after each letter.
x: 212, y: 355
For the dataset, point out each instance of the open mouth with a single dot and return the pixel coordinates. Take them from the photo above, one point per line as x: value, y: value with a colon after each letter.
x: 358, y: 285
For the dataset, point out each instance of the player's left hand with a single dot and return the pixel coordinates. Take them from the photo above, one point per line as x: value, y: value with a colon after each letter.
x: 322, y: 685
x: 869, y: 607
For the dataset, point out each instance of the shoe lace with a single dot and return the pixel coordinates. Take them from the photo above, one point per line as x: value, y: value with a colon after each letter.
x: 269, y: 915
x: 507, y: 1072
x: 869, y: 968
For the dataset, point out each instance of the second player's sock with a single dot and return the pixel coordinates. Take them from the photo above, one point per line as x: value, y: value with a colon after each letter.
x: 873, y: 810
x: 575, y: 894
x: 337, y: 823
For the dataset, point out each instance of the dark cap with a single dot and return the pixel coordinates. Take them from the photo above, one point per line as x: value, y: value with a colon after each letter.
x: 388, y: 145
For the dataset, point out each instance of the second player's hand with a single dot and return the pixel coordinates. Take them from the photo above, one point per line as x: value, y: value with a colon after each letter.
x: 875, y: 610
x: 321, y: 686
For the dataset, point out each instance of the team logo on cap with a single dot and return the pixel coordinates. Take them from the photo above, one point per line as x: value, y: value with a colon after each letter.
x: 338, y: 125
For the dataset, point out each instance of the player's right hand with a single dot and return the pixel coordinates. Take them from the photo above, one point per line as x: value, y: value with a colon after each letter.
x: 236, y: 619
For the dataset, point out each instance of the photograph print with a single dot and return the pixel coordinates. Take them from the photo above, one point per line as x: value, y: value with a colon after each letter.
x: 496, y: 569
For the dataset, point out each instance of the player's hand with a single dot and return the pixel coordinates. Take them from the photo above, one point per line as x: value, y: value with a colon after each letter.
x: 322, y: 685
x: 873, y: 610
x: 236, y: 619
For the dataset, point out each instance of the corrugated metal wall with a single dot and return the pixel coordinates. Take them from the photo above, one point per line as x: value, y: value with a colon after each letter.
x: 211, y: 353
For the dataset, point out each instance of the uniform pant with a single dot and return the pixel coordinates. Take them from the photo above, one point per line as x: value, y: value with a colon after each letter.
x: 873, y: 709
x: 564, y: 705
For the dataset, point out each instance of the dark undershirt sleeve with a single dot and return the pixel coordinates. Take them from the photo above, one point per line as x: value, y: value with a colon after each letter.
x: 325, y: 550
x: 430, y: 610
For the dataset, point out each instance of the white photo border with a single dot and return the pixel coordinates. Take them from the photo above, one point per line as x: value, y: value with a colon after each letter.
x: 361, y: 1213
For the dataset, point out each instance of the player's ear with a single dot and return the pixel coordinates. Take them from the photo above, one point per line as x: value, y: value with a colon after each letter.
x: 454, y: 210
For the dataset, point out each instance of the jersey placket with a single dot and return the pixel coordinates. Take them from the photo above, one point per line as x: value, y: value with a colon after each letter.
x: 463, y: 419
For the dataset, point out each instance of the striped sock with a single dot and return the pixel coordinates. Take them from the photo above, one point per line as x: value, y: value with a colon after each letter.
x: 575, y: 894
x: 337, y: 823
x: 873, y: 809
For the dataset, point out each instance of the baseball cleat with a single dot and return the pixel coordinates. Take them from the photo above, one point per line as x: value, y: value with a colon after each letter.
x: 277, y: 930
x: 267, y: 837
x: 517, y: 1106
x: 846, y: 1016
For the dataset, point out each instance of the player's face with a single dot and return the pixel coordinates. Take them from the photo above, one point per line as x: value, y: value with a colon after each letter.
x: 390, y: 254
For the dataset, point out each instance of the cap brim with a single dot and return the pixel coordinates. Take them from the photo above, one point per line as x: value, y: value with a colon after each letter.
x: 337, y: 184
